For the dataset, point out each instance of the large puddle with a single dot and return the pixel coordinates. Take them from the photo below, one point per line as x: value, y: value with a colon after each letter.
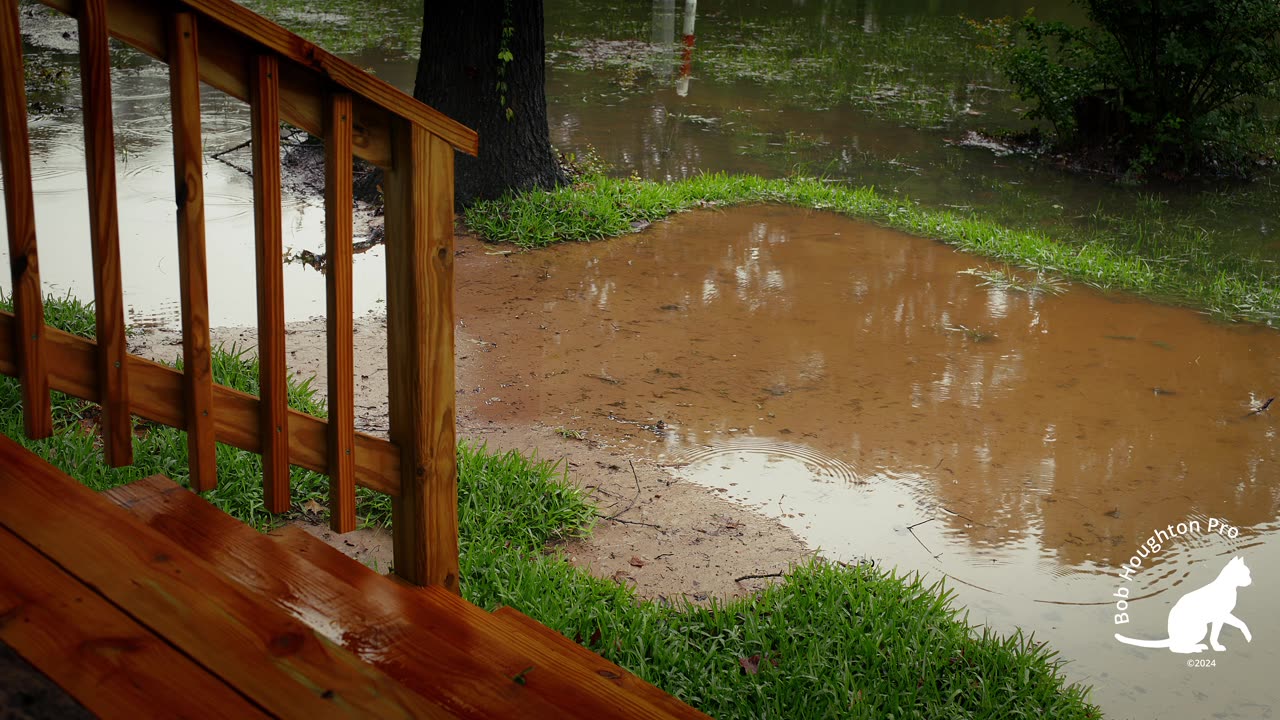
x: 858, y: 384
x: 867, y: 389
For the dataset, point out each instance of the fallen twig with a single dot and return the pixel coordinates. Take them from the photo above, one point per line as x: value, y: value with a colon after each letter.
x: 628, y: 522
x: 633, y: 500
x: 758, y: 577
x: 1262, y: 408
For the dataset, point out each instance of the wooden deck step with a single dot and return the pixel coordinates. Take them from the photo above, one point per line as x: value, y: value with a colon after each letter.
x: 114, y: 666
x: 354, y: 607
x: 572, y: 652
x: 274, y: 660
x: 430, y: 640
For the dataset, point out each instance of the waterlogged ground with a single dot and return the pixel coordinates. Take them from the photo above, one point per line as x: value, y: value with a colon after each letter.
x: 868, y: 390
x: 891, y: 94
x: 860, y: 386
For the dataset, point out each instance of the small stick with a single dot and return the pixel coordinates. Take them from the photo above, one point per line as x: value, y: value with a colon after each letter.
x: 628, y: 522
x: 758, y: 577
x: 963, y: 517
x: 633, y: 500
x: 1262, y: 408
x: 218, y: 155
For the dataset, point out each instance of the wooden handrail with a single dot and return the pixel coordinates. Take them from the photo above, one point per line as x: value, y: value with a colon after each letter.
x: 283, y: 78
x: 302, y: 82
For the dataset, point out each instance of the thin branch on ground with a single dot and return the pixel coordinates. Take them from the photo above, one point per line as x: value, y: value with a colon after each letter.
x: 628, y: 522
x: 759, y: 577
x: 633, y: 500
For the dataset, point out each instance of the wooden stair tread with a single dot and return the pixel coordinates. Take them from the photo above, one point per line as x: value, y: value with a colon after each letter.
x: 274, y: 660
x: 103, y: 658
x: 355, y: 610
x: 573, y: 652
x: 416, y: 635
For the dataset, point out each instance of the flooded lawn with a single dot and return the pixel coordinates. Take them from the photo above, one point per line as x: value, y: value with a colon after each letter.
x: 866, y: 388
x: 884, y: 396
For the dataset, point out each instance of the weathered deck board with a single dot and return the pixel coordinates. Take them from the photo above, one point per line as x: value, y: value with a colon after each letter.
x: 393, y: 624
x: 363, y: 607
x: 571, y: 651
x: 276, y: 661
x: 103, y: 658
x: 582, y: 683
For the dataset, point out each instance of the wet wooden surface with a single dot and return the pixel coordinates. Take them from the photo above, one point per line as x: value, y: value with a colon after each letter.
x: 274, y: 660
x: 427, y: 638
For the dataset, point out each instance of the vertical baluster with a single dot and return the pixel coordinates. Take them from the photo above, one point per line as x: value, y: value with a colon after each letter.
x: 184, y: 91
x: 338, y: 251
x: 100, y: 165
x: 419, y: 217
x: 273, y: 423
x: 15, y: 162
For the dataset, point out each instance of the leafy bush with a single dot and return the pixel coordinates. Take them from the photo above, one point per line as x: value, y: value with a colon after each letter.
x: 1165, y: 86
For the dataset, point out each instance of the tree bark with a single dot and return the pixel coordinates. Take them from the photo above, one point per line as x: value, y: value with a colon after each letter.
x: 458, y: 74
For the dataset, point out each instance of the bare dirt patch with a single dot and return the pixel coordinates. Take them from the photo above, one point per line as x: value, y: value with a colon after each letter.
x: 665, y: 537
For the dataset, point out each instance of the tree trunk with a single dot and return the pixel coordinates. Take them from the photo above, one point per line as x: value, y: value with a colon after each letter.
x: 459, y: 73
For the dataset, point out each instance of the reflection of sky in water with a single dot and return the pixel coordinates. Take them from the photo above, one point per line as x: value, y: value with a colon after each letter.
x: 829, y: 381
x: 147, y: 215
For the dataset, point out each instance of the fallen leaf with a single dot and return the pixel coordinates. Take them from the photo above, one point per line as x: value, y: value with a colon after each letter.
x: 751, y: 665
x: 637, y: 562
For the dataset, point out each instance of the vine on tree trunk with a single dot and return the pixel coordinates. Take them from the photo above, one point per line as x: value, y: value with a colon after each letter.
x: 504, y: 59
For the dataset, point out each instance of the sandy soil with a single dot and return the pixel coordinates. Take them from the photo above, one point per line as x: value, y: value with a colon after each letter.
x: 663, y: 536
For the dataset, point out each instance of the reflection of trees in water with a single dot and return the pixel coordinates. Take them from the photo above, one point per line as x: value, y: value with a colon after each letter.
x: 1049, y: 429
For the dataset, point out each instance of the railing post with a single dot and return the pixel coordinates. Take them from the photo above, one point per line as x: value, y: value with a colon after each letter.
x: 108, y: 291
x: 273, y: 385
x: 20, y: 214
x: 419, y: 239
x: 338, y: 320
x: 193, y: 275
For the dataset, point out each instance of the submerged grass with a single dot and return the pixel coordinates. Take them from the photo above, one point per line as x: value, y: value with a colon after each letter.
x: 827, y: 641
x: 1177, y: 265
x: 924, y: 72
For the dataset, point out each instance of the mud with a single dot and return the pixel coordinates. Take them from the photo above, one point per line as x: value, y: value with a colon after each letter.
x: 867, y: 390
x: 665, y: 537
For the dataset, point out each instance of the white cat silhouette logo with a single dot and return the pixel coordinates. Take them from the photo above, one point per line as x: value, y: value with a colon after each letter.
x: 1196, y: 611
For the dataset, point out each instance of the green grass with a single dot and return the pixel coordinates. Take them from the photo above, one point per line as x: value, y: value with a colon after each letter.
x: 828, y: 641
x: 158, y: 449
x: 1177, y: 264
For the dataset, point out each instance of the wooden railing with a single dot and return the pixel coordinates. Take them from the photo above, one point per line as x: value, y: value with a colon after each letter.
x: 282, y: 77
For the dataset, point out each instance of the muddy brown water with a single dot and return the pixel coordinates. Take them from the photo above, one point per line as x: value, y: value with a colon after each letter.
x: 860, y: 385
x: 850, y: 381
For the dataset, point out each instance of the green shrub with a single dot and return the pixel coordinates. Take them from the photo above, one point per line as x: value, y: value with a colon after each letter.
x: 1163, y: 86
